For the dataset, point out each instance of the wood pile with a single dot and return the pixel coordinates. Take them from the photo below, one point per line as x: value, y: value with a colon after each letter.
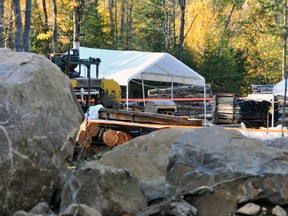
x: 230, y: 109
x: 86, y: 132
x: 253, y: 114
x: 192, y: 108
x: 262, y: 89
x: 224, y: 108
x: 280, y: 111
x: 90, y: 131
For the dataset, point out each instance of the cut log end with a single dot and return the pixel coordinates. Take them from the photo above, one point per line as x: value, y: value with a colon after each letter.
x: 122, y: 137
x: 84, y: 137
x: 110, y: 137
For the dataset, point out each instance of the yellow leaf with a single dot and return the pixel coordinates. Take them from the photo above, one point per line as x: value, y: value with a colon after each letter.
x: 44, y: 36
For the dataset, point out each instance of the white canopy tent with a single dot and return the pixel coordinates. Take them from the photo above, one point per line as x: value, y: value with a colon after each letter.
x: 278, y: 89
x: 123, y: 66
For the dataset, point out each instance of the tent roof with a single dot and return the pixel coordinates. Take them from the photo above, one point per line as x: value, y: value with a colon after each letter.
x: 279, y: 88
x: 123, y: 66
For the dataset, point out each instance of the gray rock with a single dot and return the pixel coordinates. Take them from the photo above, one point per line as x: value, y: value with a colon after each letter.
x: 171, y: 207
x: 42, y: 208
x: 81, y: 210
x: 147, y: 157
x: 249, y: 209
x: 38, y: 125
x: 233, y: 169
x: 110, y: 190
x: 21, y: 213
x: 207, y: 167
x: 279, y: 211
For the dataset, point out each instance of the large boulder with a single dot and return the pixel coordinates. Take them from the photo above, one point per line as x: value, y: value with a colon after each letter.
x: 147, y: 157
x: 39, y: 122
x: 113, y: 192
x: 214, y: 167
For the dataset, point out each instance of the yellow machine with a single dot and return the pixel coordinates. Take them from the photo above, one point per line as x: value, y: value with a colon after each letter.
x: 88, y: 90
x: 102, y: 91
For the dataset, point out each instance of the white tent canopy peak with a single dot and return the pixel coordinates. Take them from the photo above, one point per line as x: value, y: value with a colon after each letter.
x: 123, y: 66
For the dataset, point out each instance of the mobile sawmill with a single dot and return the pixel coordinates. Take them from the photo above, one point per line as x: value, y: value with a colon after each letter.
x: 100, y: 91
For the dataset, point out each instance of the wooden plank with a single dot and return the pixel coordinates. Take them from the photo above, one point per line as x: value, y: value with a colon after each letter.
x: 224, y: 95
x: 173, y: 99
x: 226, y: 121
x: 142, y: 117
x: 155, y: 126
x: 139, y: 125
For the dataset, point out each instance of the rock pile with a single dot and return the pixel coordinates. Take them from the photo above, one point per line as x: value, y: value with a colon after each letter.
x: 177, y: 172
x: 209, y: 171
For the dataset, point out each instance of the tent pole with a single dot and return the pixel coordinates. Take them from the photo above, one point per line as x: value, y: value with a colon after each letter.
x: 172, y: 89
x: 205, y: 104
x: 127, y: 95
x: 273, y: 108
x: 143, y: 90
x: 284, y: 104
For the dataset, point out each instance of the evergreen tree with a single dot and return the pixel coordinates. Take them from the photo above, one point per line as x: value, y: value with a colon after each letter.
x: 221, y: 69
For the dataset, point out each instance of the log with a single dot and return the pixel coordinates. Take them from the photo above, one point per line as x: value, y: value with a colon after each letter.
x: 110, y: 137
x: 122, y: 137
x: 93, y: 128
x: 82, y: 137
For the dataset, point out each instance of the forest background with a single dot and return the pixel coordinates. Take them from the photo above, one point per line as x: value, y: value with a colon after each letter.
x: 231, y: 43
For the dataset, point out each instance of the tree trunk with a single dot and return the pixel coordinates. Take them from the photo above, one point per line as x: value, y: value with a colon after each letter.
x: 182, y: 4
x: 174, y: 22
x: 18, y: 26
x: 55, y: 27
x: 116, y: 23
x: 284, y: 41
x: 45, y: 23
x: 1, y: 21
x: 122, y: 21
x: 27, y: 28
x: 76, y: 21
x: 284, y: 65
x: 129, y: 25
x: 229, y: 17
x: 112, y: 24
x: 166, y: 25
x: 9, y: 36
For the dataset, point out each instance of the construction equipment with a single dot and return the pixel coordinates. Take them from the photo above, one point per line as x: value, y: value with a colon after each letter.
x: 88, y: 90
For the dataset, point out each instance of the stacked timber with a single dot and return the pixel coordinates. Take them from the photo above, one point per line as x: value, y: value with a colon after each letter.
x: 224, y: 108
x: 282, y: 114
x: 193, y: 108
x: 90, y: 131
x: 230, y: 109
x: 253, y: 113
x: 262, y: 89
x: 87, y: 131
x: 113, y: 137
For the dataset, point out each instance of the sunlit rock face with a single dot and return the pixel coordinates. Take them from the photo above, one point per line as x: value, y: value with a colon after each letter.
x: 38, y: 124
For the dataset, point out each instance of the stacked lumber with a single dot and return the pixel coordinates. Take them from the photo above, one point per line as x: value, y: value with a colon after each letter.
x: 192, y: 108
x: 282, y: 114
x: 262, y: 89
x: 224, y: 108
x: 230, y: 109
x: 253, y: 113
